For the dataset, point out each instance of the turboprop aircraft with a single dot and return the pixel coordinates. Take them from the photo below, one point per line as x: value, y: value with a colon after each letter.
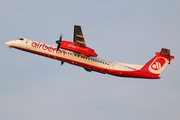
x: 77, y: 53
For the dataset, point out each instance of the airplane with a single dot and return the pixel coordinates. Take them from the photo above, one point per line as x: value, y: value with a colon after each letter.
x: 77, y: 53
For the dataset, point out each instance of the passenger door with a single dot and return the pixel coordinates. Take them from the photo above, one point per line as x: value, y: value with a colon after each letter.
x: 111, y: 66
x: 28, y: 42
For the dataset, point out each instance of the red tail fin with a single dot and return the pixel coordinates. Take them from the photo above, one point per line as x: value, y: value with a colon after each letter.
x: 159, y: 62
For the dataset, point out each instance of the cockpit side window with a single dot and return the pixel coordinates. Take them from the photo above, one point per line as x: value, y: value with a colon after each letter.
x: 21, y: 38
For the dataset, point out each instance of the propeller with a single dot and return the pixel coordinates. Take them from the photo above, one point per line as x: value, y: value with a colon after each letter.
x: 59, y: 42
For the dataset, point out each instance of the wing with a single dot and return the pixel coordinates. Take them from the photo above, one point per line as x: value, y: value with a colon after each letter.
x: 78, y: 36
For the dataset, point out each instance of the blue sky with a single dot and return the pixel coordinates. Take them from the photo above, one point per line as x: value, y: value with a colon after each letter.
x: 33, y: 87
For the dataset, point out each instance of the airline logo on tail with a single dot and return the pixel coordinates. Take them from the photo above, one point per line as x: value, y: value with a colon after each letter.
x: 158, y: 65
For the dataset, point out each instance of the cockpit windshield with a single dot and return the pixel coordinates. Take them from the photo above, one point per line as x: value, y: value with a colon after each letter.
x: 21, y: 39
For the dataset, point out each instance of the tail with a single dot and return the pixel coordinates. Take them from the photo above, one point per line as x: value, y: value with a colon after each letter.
x: 158, y: 63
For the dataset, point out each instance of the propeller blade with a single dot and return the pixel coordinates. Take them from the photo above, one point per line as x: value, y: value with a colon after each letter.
x: 58, y: 47
x: 60, y: 38
x: 62, y: 62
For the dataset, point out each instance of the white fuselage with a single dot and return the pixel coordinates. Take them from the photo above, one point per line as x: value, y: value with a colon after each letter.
x: 89, y: 63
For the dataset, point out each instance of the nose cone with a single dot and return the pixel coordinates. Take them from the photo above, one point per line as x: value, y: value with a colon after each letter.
x: 9, y: 44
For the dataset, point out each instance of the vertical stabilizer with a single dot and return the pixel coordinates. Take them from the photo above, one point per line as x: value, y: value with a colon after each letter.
x: 158, y: 63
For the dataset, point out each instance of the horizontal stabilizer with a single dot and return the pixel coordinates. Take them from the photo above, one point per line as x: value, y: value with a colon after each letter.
x: 165, y: 52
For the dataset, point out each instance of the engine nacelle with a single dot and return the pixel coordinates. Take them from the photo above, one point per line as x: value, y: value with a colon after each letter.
x: 82, y: 50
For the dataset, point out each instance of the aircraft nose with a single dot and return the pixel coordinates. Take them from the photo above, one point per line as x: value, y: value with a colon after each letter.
x: 9, y: 44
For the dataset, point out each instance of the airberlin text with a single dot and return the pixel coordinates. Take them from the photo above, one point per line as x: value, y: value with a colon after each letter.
x: 45, y: 47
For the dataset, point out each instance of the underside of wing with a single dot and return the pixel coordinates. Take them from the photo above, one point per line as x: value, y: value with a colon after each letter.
x: 78, y: 36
